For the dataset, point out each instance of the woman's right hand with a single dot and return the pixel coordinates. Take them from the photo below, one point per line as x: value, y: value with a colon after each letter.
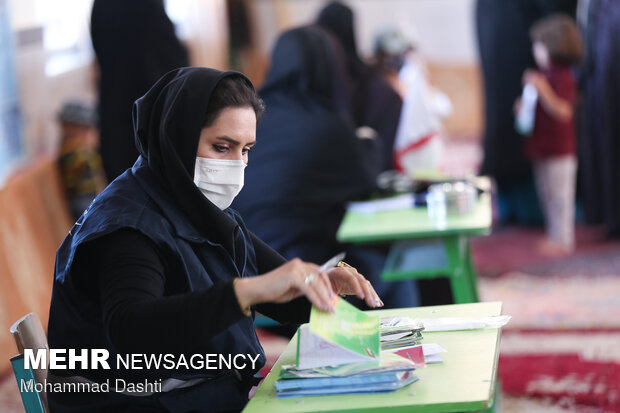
x: 285, y: 283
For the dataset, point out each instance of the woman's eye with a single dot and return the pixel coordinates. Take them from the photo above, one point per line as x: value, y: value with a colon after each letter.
x: 246, y: 150
x: 220, y: 148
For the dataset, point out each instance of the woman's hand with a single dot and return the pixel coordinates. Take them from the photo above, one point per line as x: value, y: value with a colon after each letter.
x: 346, y: 280
x: 297, y: 278
x: 285, y: 283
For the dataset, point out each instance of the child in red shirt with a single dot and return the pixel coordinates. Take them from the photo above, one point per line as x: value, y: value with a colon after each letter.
x: 551, y: 146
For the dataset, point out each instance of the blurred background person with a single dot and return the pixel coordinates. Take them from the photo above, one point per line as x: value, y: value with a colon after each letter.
x: 296, y: 202
x: 552, y: 147
x: 374, y: 103
x: 505, y: 53
x: 79, y: 161
x: 418, y: 142
x: 135, y: 44
x: 599, y: 143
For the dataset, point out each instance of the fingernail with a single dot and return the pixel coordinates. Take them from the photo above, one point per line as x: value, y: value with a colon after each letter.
x: 360, y: 294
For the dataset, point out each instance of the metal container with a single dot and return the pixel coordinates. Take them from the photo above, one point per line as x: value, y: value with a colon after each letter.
x: 451, y: 198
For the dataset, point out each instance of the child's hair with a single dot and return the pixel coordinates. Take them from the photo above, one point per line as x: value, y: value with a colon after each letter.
x: 560, y: 35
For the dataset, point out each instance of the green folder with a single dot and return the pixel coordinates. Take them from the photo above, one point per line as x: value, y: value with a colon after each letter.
x: 346, y: 336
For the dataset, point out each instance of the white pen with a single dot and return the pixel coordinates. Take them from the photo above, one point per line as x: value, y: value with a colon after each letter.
x: 332, y: 262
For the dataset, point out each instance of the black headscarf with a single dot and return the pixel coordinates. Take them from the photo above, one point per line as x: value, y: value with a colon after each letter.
x: 338, y: 19
x: 135, y: 44
x: 304, y: 64
x: 167, y: 122
x: 307, y: 162
x: 373, y: 101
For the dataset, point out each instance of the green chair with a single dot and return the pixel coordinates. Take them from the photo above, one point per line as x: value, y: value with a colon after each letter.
x: 28, y: 333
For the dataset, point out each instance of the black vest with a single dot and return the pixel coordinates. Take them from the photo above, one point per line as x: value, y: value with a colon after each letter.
x: 136, y: 200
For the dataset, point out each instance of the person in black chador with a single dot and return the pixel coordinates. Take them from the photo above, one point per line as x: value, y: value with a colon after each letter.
x: 135, y: 45
x: 505, y: 53
x: 295, y: 202
x: 599, y: 140
x: 374, y: 103
x: 159, y: 263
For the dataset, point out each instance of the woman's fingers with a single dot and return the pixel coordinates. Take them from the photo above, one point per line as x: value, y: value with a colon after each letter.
x: 319, y: 287
x: 350, y: 278
x: 316, y: 287
x: 369, y: 294
x: 325, y: 291
x: 315, y: 298
x: 372, y: 298
x: 355, y: 283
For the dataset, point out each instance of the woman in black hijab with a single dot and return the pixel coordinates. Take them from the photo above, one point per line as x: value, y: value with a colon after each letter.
x: 135, y: 44
x: 159, y: 264
x: 374, y: 102
x: 309, y: 163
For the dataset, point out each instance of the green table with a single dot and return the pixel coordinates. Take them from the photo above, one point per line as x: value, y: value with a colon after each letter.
x: 447, y: 256
x: 465, y: 381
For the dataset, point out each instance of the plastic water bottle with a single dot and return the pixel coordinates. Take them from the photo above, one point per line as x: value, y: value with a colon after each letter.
x: 524, y: 123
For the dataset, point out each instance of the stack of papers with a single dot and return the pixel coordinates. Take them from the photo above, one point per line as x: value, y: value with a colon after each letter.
x: 340, y: 353
x: 400, y: 332
x: 391, y: 373
x: 422, y: 354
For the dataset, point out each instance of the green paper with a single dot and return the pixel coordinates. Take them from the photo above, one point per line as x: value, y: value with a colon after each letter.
x: 347, y: 327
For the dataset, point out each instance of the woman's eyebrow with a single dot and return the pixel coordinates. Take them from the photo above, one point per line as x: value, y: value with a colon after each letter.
x: 229, y: 140
x: 233, y: 141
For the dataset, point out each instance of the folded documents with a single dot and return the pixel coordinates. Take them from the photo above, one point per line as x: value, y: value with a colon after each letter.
x: 397, y: 332
x: 344, y: 385
x: 422, y: 354
x: 339, y: 353
x: 387, y: 363
x: 346, y: 336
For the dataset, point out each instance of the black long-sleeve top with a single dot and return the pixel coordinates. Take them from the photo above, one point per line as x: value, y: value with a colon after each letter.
x: 138, y: 311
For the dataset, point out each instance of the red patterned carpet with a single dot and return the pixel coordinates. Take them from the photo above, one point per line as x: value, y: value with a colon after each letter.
x: 561, y: 350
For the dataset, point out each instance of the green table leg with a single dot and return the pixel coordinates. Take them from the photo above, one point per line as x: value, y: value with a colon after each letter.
x: 464, y: 289
x: 450, y: 257
x: 469, y: 265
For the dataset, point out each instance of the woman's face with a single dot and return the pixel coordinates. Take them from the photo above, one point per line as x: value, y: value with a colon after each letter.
x: 230, y: 136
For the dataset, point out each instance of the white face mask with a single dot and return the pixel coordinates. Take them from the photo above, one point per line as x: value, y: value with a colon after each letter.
x: 220, y: 180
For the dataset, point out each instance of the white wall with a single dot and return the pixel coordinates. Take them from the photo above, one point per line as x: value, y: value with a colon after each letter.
x: 444, y: 29
x: 59, y: 64
x: 52, y: 67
